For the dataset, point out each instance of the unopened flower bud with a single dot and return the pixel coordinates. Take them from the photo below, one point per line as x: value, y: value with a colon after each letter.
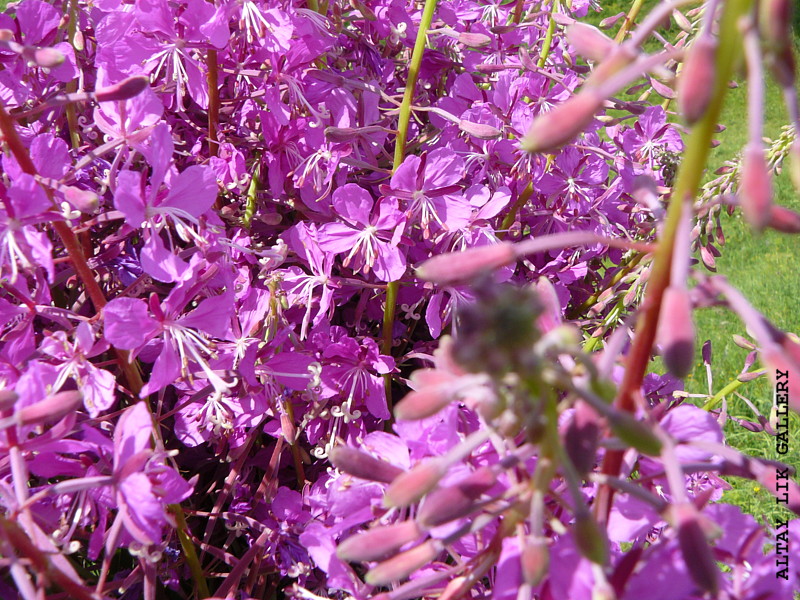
x: 474, y: 40
x: 534, y: 559
x: 47, y: 58
x: 590, y: 538
x: 362, y: 465
x: 404, y: 564
x: 125, y: 89
x: 6, y: 35
x: 635, y: 433
x: 424, y: 403
x: 414, y: 484
x: 50, y: 409
x: 784, y: 489
x: 783, y: 219
x: 589, y: 42
x: 675, y: 332
x: 695, y: 83
x: 479, y: 130
x: 458, y: 267
x: 743, y: 342
x: 84, y: 200
x: 694, y: 546
x: 755, y: 189
x: 775, y: 23
x: 456, y: 501
x: 552, y: 130
x: 7, y: 399
x: 581, y: 437
x: 379, y: 542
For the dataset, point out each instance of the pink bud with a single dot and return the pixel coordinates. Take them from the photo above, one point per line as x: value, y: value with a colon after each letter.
x: 379, y: 542
x: 474, y: 40
x: 84, y: 200
x: 535, y: 559
x: 755, y: 189
x: 423, y: 403
x: 581, y: 437
x: 403, y: 565
x: 694, y: 546
x: 6, y: 35
x: 779, y: 361
x: 696, y: 80
x: 50, y: 409
x: 675, y: 332
x: 783, y: 219
x: 414, y: 484
x: 362, y: 465
x: 552, y: 130
x: 589, y: 41
x: 479, y: 130
x: 775, y: 23
x: 127, y: 88
x: 458, y: 267
x: 453, y: 502
x: 784, y: 489
x: 48, y: 58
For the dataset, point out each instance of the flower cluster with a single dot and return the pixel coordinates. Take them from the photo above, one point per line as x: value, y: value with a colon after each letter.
x: 233, y: 234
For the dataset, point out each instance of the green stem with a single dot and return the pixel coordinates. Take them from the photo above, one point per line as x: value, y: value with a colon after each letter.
x: 509, y: 219
x: 189, y: 553
x: 548, y: 38
x: 393, y: 287
x: 728, y: 389
x: 636, y: 7
x: 252, y: 190
x: 690, y: 174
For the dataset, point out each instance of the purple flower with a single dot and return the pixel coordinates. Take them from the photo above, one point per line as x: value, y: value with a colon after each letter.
x: 369, y: 236
x: 428, y: 185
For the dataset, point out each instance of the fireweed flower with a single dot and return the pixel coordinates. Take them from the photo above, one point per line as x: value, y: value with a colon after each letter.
x: 185, y: 337
x: 369, y: 240
x: 428, y: 187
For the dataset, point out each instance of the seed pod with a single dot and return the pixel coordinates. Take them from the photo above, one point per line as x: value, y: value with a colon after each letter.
x: 755, y: 188
x: 456, y: 501
x: 552, y: 130
x: 378, y: 543
x: 696, y: 80
x: 362, y: 465
x: 404, y: 564
x: 414, y: 484
x: 675, y: 332
x: 457, y: 267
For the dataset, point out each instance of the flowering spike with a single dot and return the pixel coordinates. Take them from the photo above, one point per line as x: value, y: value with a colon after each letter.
x: 457, y: 267
x: 362, y: 465
x: 379, y: 542
x: 676, y: 332
x: 755, y: 189
x: 125, y: 89
x: 695, y: 83
x: 453, y: 502
x: 404, y: 564
x: 412, y: 485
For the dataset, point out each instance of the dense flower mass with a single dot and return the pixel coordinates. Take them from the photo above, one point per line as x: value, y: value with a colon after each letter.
x: 229, y: 367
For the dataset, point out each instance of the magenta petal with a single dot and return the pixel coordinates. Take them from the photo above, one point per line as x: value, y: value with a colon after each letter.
x: 142, y: 512
x: 193, y: 191
x: 128, y: 197
x: 132, y: 434
x: 166, y: 370
x: 128, y: 324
